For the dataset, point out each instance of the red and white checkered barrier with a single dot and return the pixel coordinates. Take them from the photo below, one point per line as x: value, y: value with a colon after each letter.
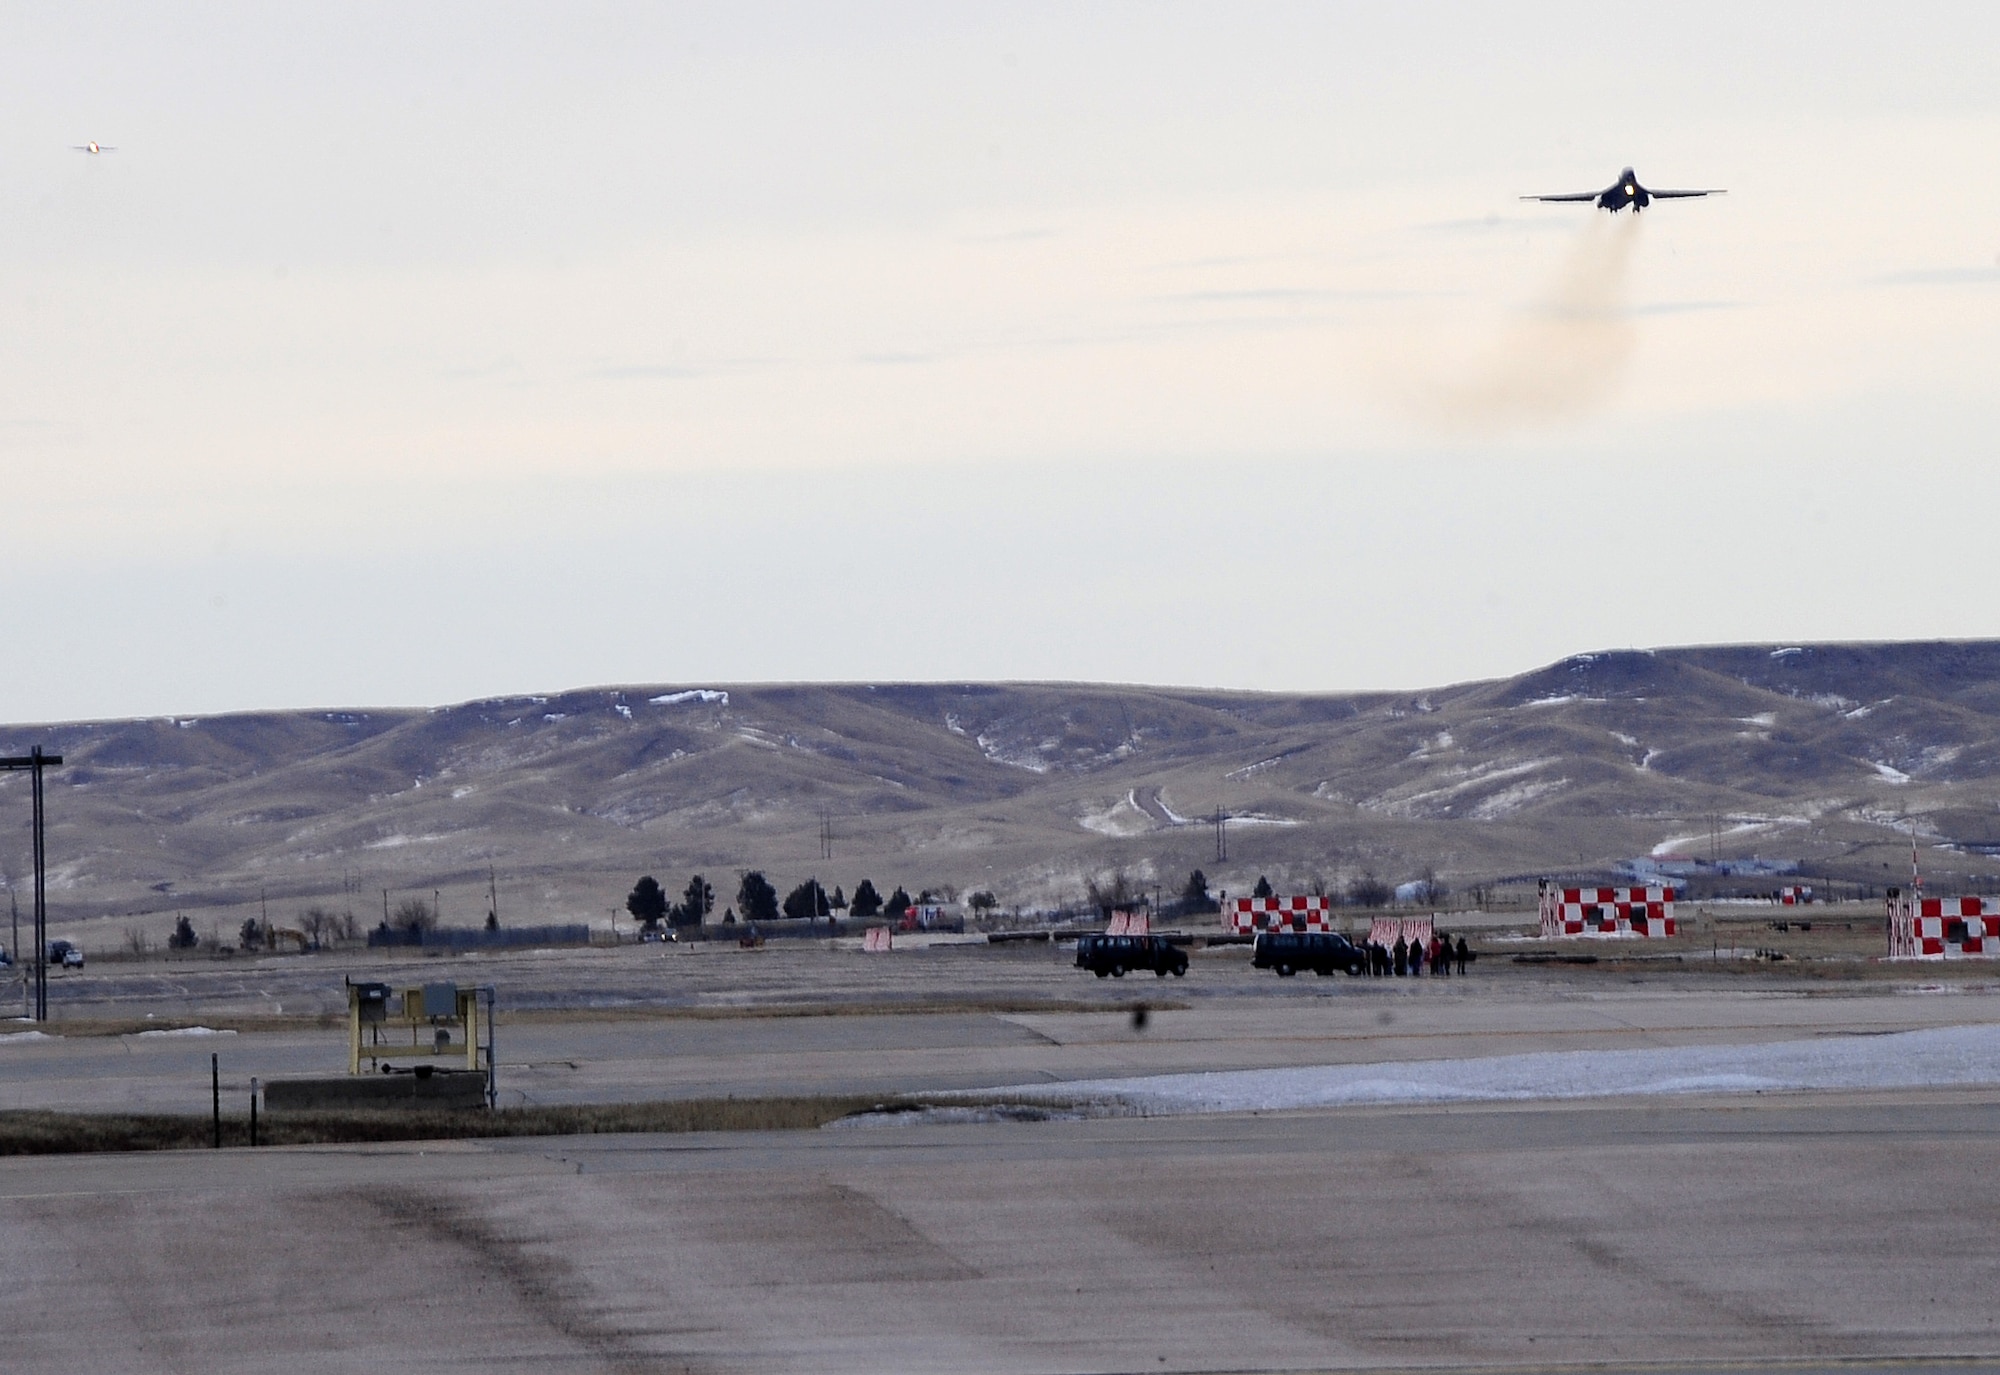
x: 1386, y: 931
x: 1607, y: 912
x: 1308, y: 913
x: 1125, y: 923
x: 1944, y: 928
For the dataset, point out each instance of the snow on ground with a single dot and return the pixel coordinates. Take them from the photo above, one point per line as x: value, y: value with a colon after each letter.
x: 1943, y: 1057
x: 186, y: 1031
x: 1125, y: 817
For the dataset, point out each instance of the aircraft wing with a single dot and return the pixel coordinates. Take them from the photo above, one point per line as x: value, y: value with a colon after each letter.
x: 1570, y: 196
x: 1680, y: 195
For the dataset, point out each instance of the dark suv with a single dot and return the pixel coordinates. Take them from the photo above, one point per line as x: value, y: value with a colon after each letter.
x: 1322, y: 952
x: 1114, y: 955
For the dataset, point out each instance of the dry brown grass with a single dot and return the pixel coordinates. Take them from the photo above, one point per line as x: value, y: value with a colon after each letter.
x: 70, y: 1133
x: 561, y: 1016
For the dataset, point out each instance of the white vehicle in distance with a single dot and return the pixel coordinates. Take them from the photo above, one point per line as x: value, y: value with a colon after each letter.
x: 65, y: 954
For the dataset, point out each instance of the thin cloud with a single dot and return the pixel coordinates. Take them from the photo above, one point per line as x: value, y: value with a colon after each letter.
x: 1940, y: 276
x: 678, y: 372
x: 1687, y: 307
x: 1281, y: 294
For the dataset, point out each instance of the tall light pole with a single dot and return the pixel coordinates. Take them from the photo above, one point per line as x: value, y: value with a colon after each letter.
x: 34, y: 762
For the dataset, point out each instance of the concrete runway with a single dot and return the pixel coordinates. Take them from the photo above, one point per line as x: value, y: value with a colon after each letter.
x: 1832, y: 1231
x: 1848, y: 1232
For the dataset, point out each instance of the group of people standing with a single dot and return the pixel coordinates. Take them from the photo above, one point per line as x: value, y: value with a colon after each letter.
x: 1415, y: 958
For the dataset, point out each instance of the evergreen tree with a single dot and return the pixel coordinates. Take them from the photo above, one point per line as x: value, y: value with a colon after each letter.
x: 899, y: 903
x: 808, y: 900
x: 757, y: 898
x: 647, y: 902
x: 866, y: 901
x: 696, y: 903
x: 1263, y: 888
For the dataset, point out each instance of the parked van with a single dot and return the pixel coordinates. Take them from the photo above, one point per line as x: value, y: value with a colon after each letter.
x: 1113, y: 955
x: 1323, y: 952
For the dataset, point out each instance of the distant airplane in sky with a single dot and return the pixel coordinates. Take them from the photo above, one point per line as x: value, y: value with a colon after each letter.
x: 1623, y: 192
x: 93, y: 147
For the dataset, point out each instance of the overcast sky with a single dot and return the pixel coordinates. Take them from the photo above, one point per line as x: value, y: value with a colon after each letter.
x: 400, y: 355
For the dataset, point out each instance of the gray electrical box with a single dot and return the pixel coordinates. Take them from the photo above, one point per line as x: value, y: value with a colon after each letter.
x: 440, y: 1000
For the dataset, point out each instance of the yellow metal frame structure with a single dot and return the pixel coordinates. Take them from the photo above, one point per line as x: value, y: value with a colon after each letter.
x: 364, y: 998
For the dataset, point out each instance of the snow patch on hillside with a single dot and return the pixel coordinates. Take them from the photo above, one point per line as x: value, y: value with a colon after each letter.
x: 1431, y: 801
x: 1514, y: 798
x: 1125, y: 817
x: 1252, y: 770
x: 1013, y: 756
x: 704, y: 695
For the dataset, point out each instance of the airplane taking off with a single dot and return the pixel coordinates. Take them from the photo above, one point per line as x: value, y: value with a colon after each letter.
x: 1623, y: 192
x: 93, y: 147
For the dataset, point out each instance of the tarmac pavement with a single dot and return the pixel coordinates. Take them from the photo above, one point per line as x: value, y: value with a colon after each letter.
x: 1840, y: 1231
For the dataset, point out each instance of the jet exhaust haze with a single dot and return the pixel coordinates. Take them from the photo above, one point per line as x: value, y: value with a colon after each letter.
x: 1563, y: 357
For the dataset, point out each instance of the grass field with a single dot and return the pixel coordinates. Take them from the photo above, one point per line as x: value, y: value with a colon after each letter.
x: 72, y: 1133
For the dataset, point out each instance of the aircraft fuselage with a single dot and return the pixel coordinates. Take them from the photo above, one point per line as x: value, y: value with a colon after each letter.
x: 1626, y: 192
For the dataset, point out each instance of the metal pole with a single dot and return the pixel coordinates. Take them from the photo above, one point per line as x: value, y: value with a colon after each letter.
x: 215, y: 1094
x: 492, y: 1065
x: 41, y: 896
x: 253, y: 1110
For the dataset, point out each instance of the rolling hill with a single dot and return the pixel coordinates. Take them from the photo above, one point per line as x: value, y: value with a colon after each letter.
x: 1822, y: 754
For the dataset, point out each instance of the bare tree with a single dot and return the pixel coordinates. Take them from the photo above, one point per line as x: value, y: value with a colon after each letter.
x: 320, y: 925
x: 1365, y: 890
x: 414, y: 914
x: 1429, y: 890
x: 1108, y: 895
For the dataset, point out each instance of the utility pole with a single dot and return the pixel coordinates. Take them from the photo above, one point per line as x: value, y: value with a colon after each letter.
x: 14, y: 902
x: 1221, y: 837
x: 825, y: 836
x: 34, y: 762
x: 493, y: 894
